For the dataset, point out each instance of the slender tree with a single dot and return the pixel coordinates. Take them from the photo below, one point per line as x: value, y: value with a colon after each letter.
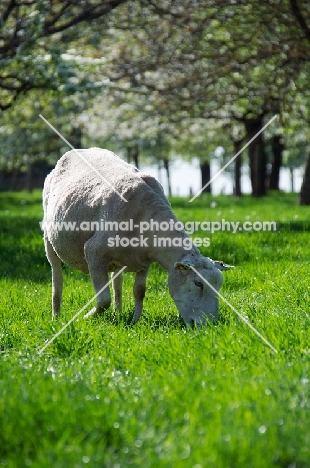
x: 304, y: 196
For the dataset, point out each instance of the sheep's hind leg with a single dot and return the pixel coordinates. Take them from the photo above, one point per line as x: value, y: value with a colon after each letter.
x: 117, y: 289
x: 57, y: 279
x: 139, y: 289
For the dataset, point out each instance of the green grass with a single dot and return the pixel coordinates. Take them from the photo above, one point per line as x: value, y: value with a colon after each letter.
x: 108, y: 394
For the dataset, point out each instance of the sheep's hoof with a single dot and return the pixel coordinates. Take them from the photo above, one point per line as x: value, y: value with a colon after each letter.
x: 136, y: 317
x: 93, y: 313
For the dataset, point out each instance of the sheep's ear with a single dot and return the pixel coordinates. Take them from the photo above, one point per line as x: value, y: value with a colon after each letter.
x: 182, y: 266
x: 220, y: 265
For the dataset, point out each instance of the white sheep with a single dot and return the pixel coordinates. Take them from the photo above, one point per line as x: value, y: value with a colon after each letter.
x: 95, y: 185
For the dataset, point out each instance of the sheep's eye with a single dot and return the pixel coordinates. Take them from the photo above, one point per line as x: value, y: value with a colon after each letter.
x: 198, y: 284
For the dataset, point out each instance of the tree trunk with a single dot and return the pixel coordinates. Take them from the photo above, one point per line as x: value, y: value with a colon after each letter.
x: 13, y: 182
x: 277, y: 156
x: 167, y: 169
x: 76, y: 137
x: 29, y: 177
x: 257, y: 156
x: 304, y: 196
x: 292, y: 178
x: 237, y: 169
x: 133, y: 154
x: 205, y: 169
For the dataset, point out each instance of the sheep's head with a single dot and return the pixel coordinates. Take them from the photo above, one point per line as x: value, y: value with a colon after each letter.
x: 196, y: 301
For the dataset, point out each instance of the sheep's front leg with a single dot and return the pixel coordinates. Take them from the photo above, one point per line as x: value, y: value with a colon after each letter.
x: 117, y: 289
x: 99, y: 276
x: 57, y: 280
x: 139, y: 293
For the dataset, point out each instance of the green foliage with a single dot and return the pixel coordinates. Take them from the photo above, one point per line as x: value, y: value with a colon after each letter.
x: 106, y: 393
x: 133, y: 73
x: 196, y: 73
x: 34, y: 40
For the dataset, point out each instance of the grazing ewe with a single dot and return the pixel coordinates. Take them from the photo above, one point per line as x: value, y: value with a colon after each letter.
x: 93, y: 185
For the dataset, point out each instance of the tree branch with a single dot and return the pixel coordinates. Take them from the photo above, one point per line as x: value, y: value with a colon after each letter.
x: 299, y: 17
x: 88, y: 14
x: 8, y: 11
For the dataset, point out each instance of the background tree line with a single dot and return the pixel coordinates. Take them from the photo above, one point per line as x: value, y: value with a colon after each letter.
x: 156, y: 78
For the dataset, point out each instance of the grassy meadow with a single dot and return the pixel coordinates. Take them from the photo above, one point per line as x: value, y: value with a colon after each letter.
x: 157, y: 394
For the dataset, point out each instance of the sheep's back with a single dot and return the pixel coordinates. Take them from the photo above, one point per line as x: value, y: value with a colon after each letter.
x: 76, y: 192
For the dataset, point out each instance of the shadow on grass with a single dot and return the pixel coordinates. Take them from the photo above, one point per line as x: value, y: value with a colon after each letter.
x: 294, y: 226
x: 22, y: 250
x: 207, y: 201
x: 124, y: 318
x: 18, y: 200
